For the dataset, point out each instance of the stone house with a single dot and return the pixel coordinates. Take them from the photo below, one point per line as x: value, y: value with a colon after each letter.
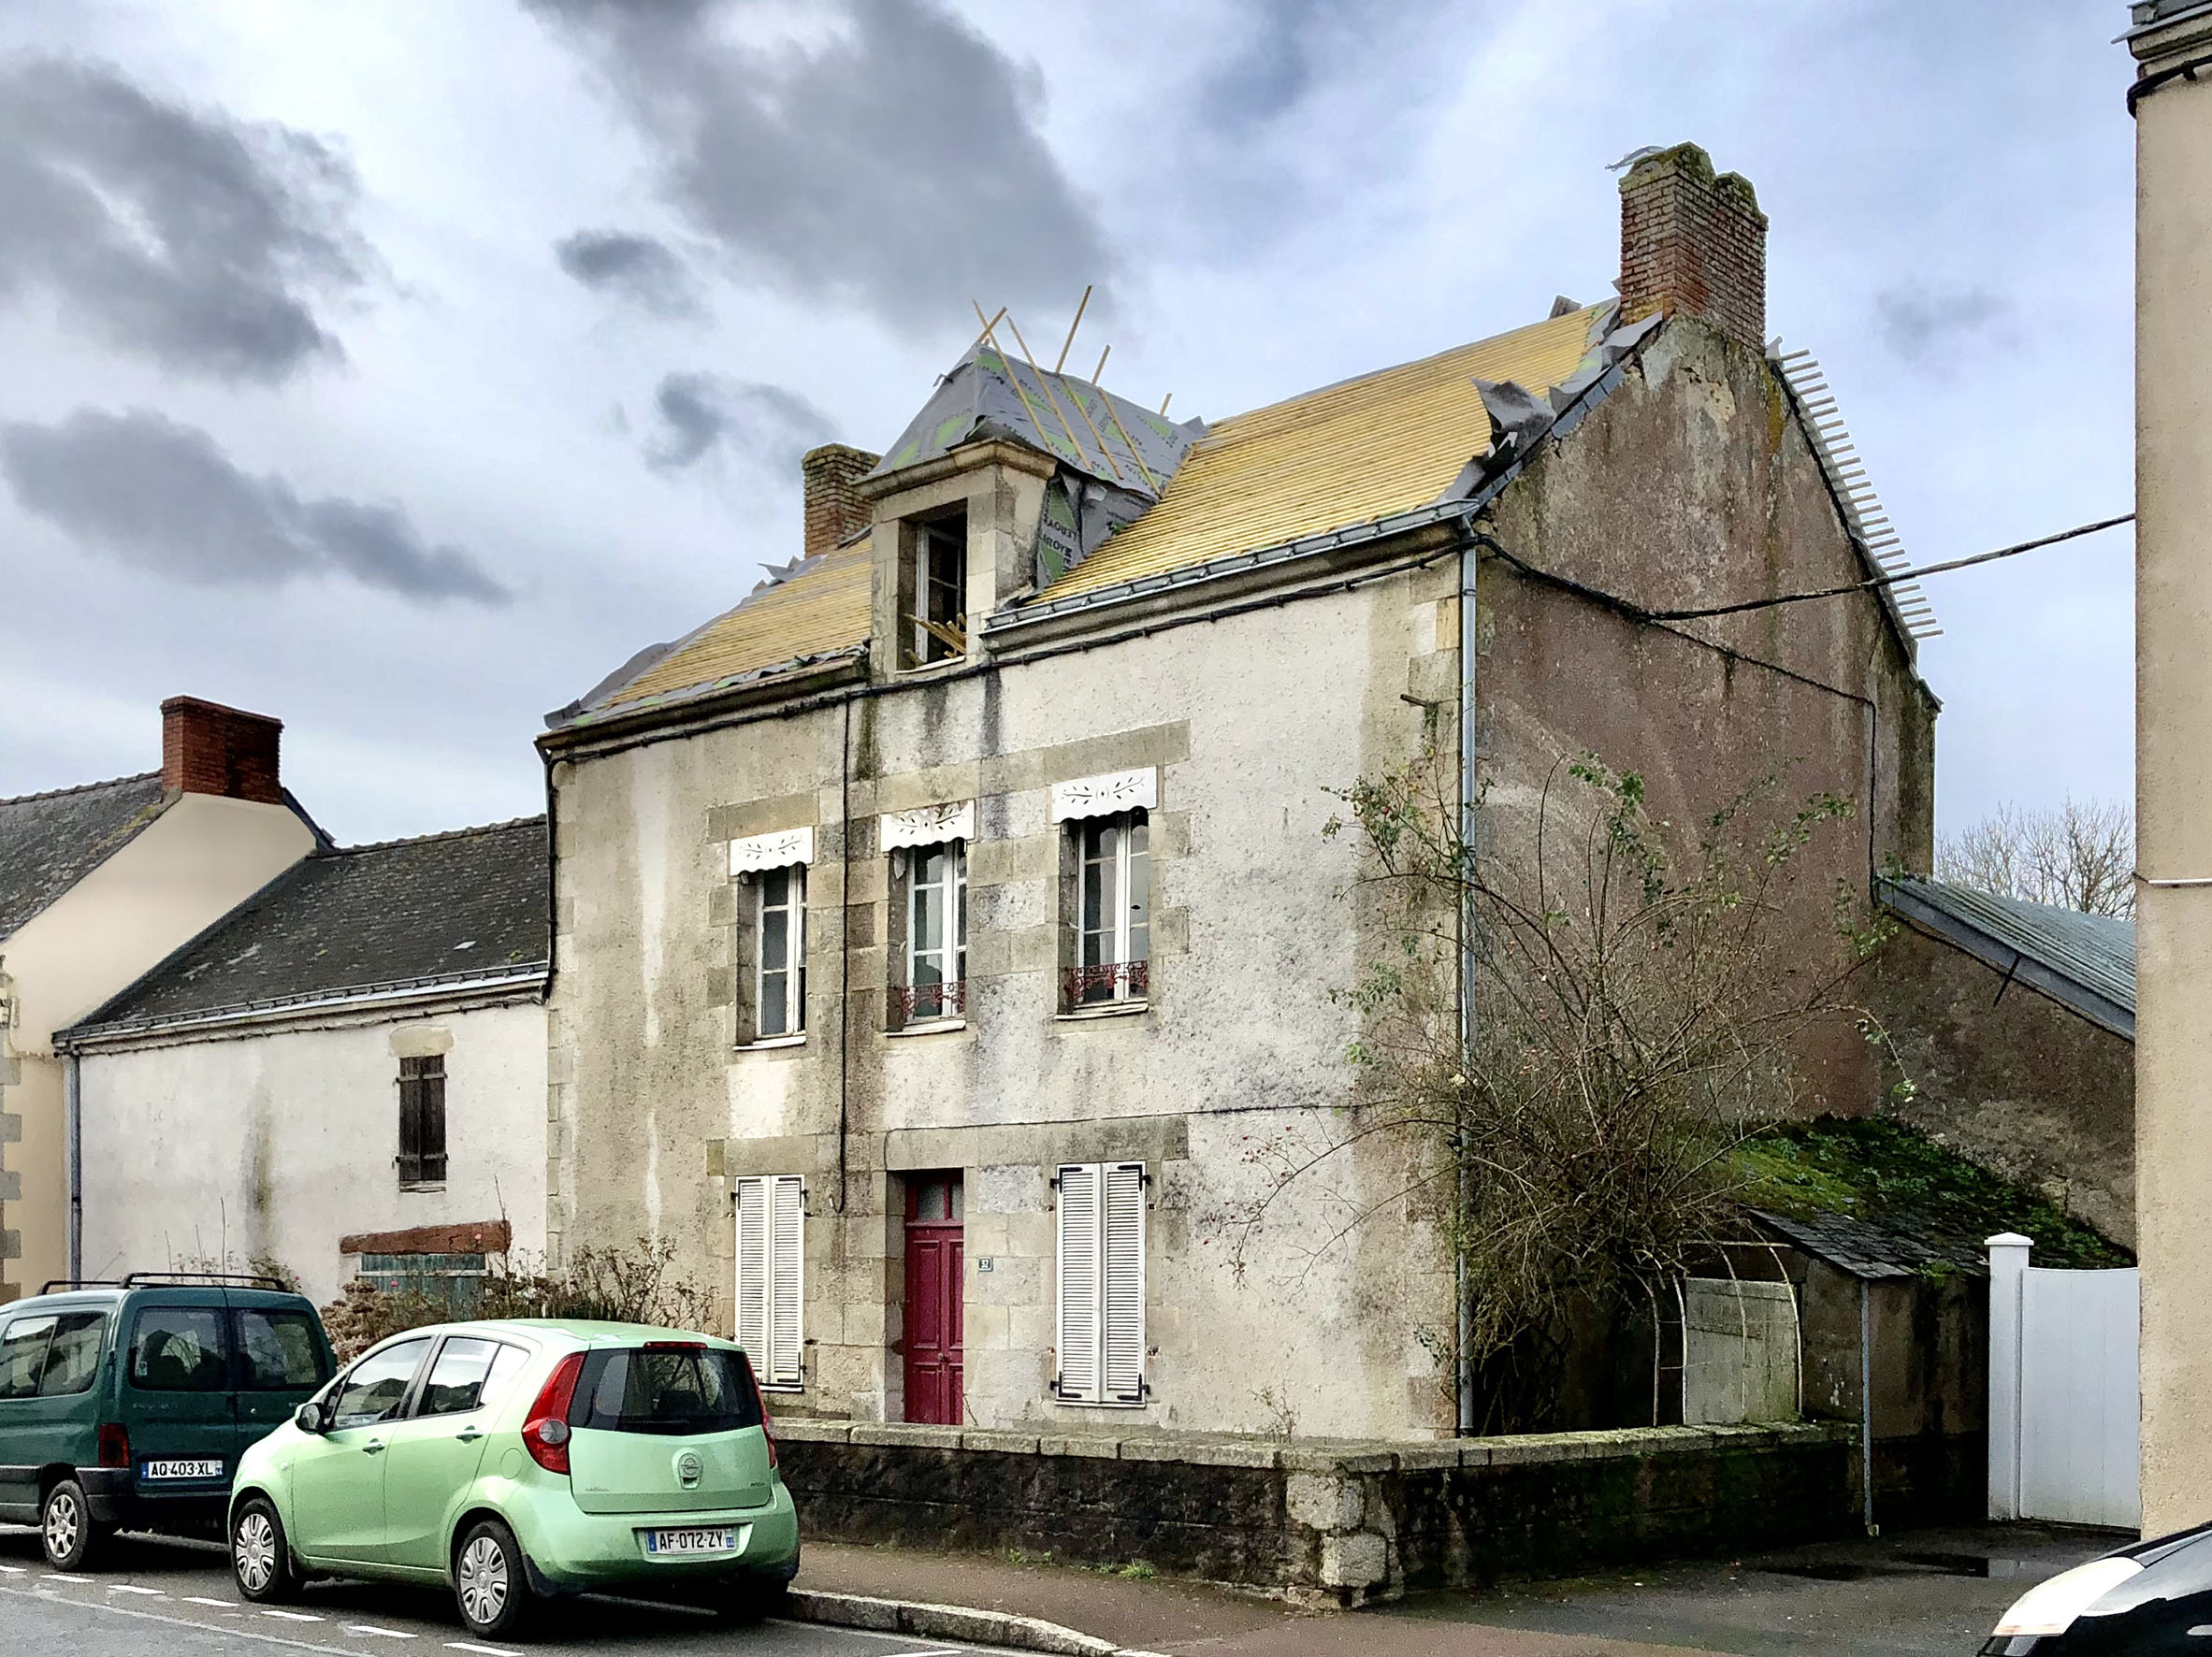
x: 940, y: 932
x: 345, y: 1075
x: 96, y: 884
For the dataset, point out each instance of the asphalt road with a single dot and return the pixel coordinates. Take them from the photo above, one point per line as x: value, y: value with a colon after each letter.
x: 158, y: 1598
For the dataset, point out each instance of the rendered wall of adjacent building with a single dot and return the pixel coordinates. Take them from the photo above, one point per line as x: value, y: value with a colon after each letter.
x: 2173, y: 771
x: 202, y: 857
x: 277, y: 1142
x: 1690, y: 483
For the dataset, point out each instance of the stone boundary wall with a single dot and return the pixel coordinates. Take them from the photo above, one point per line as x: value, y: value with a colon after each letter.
x: 1337, y: 1522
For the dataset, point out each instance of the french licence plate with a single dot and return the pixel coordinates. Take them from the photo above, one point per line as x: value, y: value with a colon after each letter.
x: 177, y: 1469
x: 707, y: 1540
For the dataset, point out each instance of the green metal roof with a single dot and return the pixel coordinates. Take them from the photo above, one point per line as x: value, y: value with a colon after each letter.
x: 2085, y: 962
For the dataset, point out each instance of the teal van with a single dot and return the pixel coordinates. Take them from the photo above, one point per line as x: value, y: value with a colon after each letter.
x: 127, y: 1405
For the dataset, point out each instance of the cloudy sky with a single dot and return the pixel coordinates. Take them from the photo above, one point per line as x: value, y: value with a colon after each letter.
x: 401, y: 367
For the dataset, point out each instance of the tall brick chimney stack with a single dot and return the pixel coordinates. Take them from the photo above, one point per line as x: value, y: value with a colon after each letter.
x: 207, y: 748
x: 833, y: 511
x: 1693, y: 244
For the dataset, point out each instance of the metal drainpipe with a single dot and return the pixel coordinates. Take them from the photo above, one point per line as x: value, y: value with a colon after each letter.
x: 73, y: 1110
x: 1462, y: 1309
x: 1866, y: 1402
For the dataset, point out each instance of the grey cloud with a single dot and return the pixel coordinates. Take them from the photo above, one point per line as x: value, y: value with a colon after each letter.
x: 182, y: 234
x: 897, y: 164
x: 164, y: 498
x: 766, y: 424
x: 1275, y: 66
x: 642, y: 269
x: 1929, y: 328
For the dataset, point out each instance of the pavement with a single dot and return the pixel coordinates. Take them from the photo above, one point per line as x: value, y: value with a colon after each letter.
x: 1915, y: 1594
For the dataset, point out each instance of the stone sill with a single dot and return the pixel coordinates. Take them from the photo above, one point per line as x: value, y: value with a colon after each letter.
x: 1319, y: 1455
x: 929, y: 1027
x: 1103, y: 1010
x: 770, y: 1044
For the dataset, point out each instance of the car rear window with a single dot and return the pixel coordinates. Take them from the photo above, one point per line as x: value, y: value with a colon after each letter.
x: 179, y: 1350
x: 666, y: 1389
x: 278, y: 1352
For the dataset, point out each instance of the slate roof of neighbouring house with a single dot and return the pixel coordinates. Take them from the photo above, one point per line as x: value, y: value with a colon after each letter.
x: 50, y: 841
x: 1876, y: 1247
x: 2084, y: 961
x: 444, y: 909
x: 1343, y: 456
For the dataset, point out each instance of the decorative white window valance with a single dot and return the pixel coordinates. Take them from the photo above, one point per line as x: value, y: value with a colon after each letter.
x: 780, y: 850
x: 929, y: 824
x: 1102, y: 796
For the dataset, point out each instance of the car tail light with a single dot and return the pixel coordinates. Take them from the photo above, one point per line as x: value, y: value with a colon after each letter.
x: 115, y: 1445
x: 545, y: 1433
x: 676, y: 1347
x: 759, y: 1403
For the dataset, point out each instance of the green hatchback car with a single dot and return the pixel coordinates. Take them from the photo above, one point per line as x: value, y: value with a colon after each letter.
x: 521, y: 1460
x: 127, y: 1405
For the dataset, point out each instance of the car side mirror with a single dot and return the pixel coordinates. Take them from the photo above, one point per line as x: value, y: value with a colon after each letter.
x: 308, y: 1418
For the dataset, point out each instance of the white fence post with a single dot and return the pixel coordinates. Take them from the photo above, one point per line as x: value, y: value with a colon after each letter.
x: 2008, y: 1276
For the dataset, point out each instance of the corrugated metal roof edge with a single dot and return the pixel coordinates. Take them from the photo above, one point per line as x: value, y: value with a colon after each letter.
x: 2049, y: 978
x: 441, y: 986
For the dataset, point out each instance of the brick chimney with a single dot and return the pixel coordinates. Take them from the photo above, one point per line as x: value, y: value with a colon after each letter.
x: 1693, y: 245
x: 207, y: 748
x: 833, y: 511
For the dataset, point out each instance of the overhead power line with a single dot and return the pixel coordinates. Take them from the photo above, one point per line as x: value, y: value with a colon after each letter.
x: 1886, y: 581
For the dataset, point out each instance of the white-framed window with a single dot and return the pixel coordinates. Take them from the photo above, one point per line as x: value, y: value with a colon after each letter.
x: 936, y: 931
x: 771, y: 1277
x: 1102, y: 1283
x: 779, y: 998
x: 1113, y: 922
x: 938, y: 585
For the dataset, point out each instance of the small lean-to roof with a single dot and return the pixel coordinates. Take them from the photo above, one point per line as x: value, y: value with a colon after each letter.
x: 820, y: 610
x: 2084, y: 961
x: 449, y: 908
x: 1348, y: 453
x: 50, y: 841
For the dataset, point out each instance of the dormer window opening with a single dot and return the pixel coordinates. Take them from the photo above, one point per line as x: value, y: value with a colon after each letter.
x: 938, y: 582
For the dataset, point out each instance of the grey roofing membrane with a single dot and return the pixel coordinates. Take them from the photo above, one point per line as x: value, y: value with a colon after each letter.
x: 445, y: 908
x: 2085, y: 962
x: 50, y: 841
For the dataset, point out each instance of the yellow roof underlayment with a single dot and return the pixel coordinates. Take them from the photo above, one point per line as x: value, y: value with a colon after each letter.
x: 1345, y: 454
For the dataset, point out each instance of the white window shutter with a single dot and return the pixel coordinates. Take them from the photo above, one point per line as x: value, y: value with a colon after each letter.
x: 752, y: 1272
x: 1122, y: 1370
x: 1079, y: 1283
x: 787, y: 1284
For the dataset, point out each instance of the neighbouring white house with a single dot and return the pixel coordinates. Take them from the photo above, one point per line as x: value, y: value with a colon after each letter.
x: 346, y: 1075
x: 98, y: 884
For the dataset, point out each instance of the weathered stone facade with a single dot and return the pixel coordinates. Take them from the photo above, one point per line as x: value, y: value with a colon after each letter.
x: 1249, y: 700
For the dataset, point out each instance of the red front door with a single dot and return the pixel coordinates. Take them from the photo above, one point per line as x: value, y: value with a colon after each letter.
x: 933, y: 1262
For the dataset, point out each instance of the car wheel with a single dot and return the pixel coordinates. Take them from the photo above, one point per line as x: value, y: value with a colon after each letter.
x: 490, y: 1582
x: 260, y: 1558
x: 72, y: 1541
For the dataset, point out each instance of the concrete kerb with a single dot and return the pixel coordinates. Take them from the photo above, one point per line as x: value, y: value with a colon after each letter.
x: 949, y: 1622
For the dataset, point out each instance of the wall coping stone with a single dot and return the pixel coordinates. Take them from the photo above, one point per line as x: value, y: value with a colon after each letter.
x: 1341, y: 1457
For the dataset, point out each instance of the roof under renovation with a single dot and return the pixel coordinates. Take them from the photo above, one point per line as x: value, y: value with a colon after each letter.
x: 1138, y: 495
x: 2084, y: 961
x: 444, y: 909
x: 50, y: 841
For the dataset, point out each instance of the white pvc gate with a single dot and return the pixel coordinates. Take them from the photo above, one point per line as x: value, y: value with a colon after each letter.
x: 2064, y: 1399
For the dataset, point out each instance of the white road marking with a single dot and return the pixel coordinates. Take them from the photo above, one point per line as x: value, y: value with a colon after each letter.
x: 57, y: 1577
x: 116, y: 1610
x: 290, y: 1616
x: 134, y: 1588
x: 221, y: 1605
x: 390, y: 1633
x: 487, y: 1650
x: 12, y: 1570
